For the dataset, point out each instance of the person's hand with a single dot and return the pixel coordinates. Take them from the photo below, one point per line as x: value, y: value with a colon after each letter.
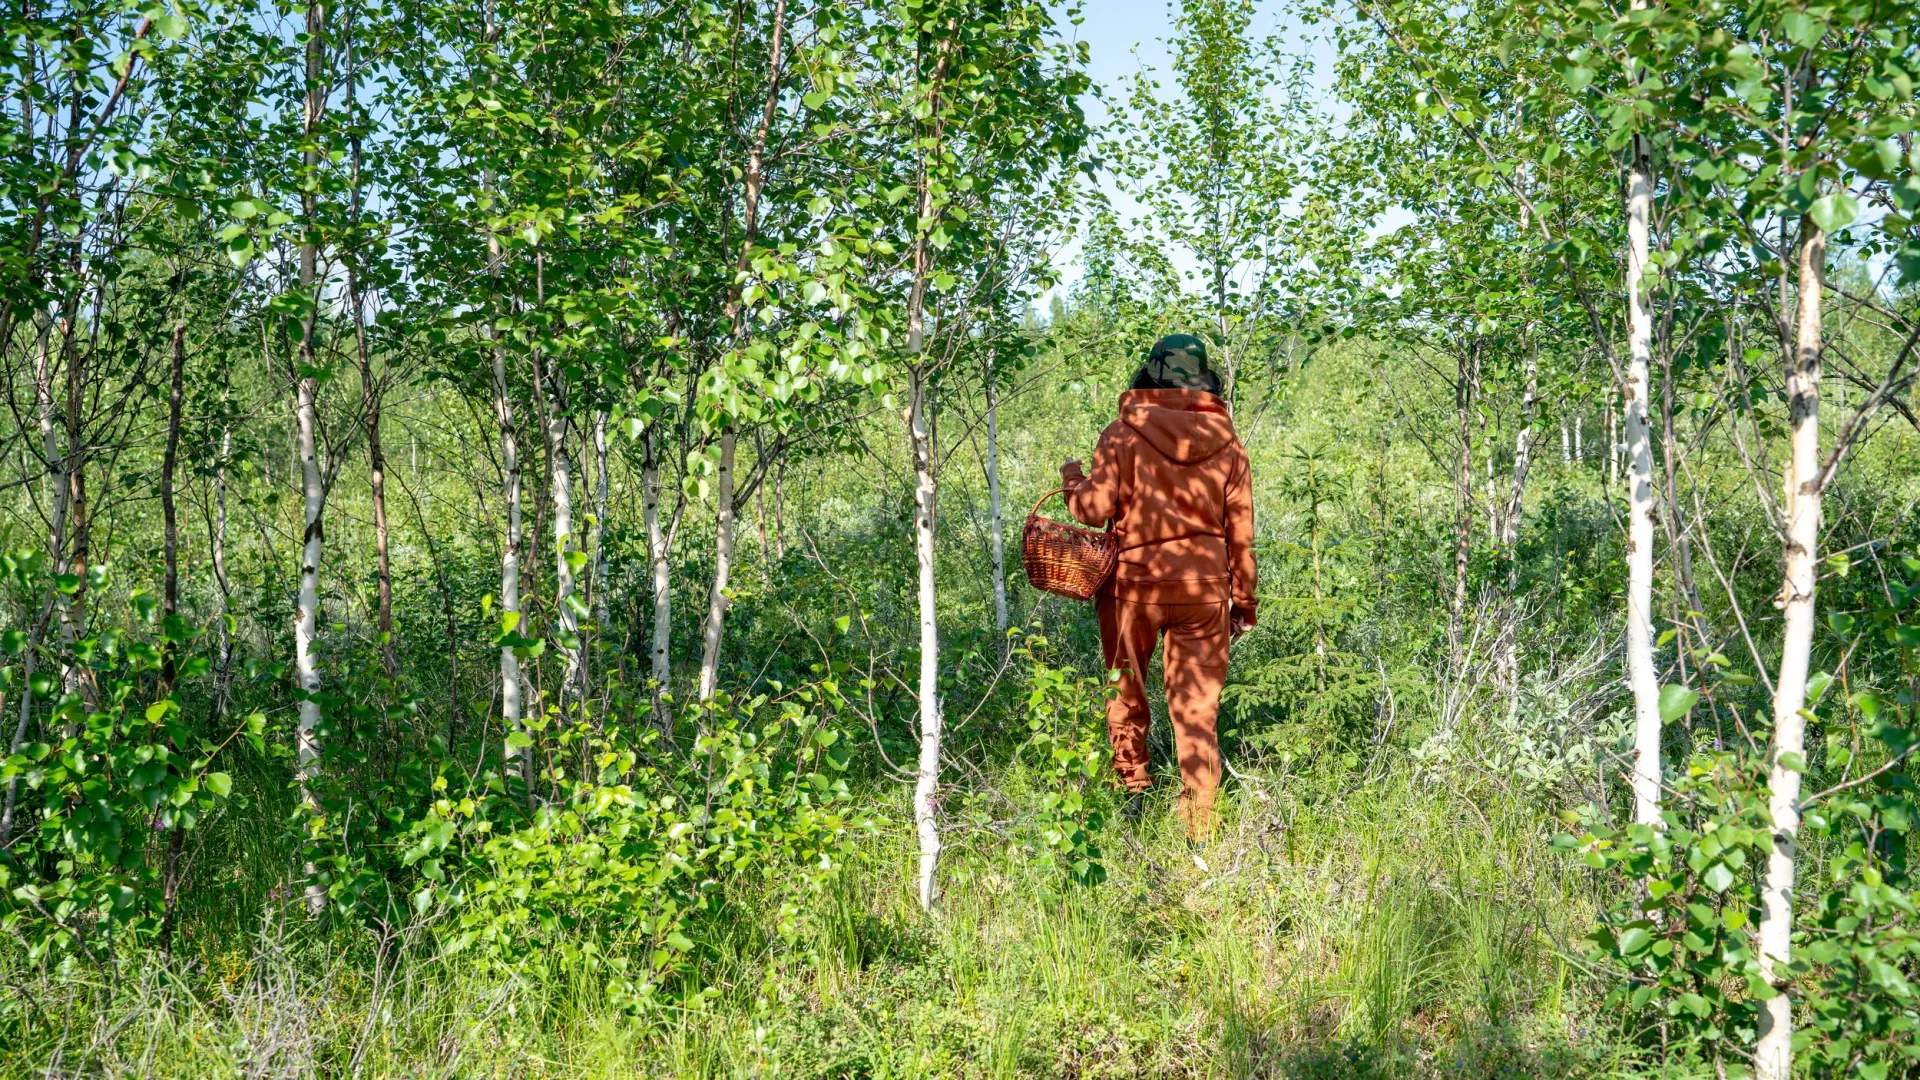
x: 1072, y: 463
x: 1071, y: 473
x: 1238, y: 625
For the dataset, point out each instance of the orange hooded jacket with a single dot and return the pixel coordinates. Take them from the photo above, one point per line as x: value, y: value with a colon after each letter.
x: 1174, y: 479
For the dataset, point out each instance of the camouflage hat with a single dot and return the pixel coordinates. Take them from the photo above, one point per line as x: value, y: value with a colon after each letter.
x: 1180, y: 360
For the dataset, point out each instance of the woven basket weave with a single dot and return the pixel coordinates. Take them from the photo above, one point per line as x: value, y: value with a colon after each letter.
x: 1063, y: 559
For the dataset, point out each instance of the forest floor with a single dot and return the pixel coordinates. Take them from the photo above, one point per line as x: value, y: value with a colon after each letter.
x: 1390, y: 929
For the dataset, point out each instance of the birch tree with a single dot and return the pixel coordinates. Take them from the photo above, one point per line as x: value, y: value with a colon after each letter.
x: 976, y: 86
x: 1218, y: 167
x: 306, y: 392
x: 1635, y: 392
x: 753, y: 185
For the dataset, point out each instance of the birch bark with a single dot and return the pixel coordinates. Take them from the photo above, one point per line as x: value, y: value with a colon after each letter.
x: 1001, y: 620
x: 926, y: 787
x: 510, y: 704
x: 72, y: 608
x: 722, y: 570
x: 662, y: 577
x: 1773, y: 1051
x: 713, y: 633
x: 1510, y: 529
x: 1464, y: 382
x: 307, y: 613
x: 564, y: 600
x: 511, y: 615
x: 598, y: 585
x: 1641, y: 677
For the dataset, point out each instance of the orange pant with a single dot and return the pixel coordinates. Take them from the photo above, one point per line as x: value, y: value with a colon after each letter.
x: 1196, y: 669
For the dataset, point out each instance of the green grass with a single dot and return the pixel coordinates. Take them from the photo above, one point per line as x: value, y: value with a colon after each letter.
x: 1401, y: 930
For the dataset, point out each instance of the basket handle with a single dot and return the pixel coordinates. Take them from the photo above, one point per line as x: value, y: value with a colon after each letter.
x: 1042, y: 500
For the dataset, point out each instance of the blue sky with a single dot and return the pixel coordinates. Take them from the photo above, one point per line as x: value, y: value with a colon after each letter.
x: 1112, y: 29
x: 1127, y: 36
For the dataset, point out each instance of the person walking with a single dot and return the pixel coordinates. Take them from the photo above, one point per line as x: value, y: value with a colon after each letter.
x: 1173, y: 478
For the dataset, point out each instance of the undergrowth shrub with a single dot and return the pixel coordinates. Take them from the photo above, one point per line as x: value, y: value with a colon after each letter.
x: 117, y: 773
x: 1068, y: 752
x: 622, y: 871
x: 1682, y: 939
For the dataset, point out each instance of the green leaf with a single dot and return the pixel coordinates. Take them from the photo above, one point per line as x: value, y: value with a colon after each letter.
x: 1793, y: 762
x: 220, y: 784
x: 1802, y: 29
x: 239, y: 251
x: 1718, y: 877
x: 1634, y: 939
x: 1817, y: 684
x: 1834, y: 211
x: 1676, y: 701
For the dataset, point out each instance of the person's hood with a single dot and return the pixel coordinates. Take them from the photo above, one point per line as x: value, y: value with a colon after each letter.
x: 1188, y: 426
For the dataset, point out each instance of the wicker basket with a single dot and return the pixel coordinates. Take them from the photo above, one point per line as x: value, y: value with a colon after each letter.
x: 1064, y: 559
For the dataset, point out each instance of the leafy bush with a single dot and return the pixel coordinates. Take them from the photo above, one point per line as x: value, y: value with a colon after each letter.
x: 1068, y: 751
x: 121, y: 766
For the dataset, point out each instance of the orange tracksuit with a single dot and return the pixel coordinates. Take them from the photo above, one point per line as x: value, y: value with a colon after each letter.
x: 1174, y: 479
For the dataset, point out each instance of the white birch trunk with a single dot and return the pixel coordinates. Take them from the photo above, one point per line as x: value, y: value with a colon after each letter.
x: 1510, y: 529
x: 223, y: 672
x: 760, y: 505
x: 1613, y: 445
x: 50, y: 447
x: 662, y: 580
x: 567, y: 615
x: 920, y: 433
x: 1773, y: 1051
x: 599, y: 583
x: 1641, y: 677
x: 306, y: 622
x: 717, y: 601
x: 926, y: 785
x: 713, y: 633
x: 58, y: 500
x: 999, y: 536
x: 1468, y: 378
x: 510, y: 682
x: 60, y: 489
x: 510, y: 704
x: 1496, y: 529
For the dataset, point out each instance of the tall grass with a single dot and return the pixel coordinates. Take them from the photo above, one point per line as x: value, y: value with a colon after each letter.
x: 1404, y: 929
